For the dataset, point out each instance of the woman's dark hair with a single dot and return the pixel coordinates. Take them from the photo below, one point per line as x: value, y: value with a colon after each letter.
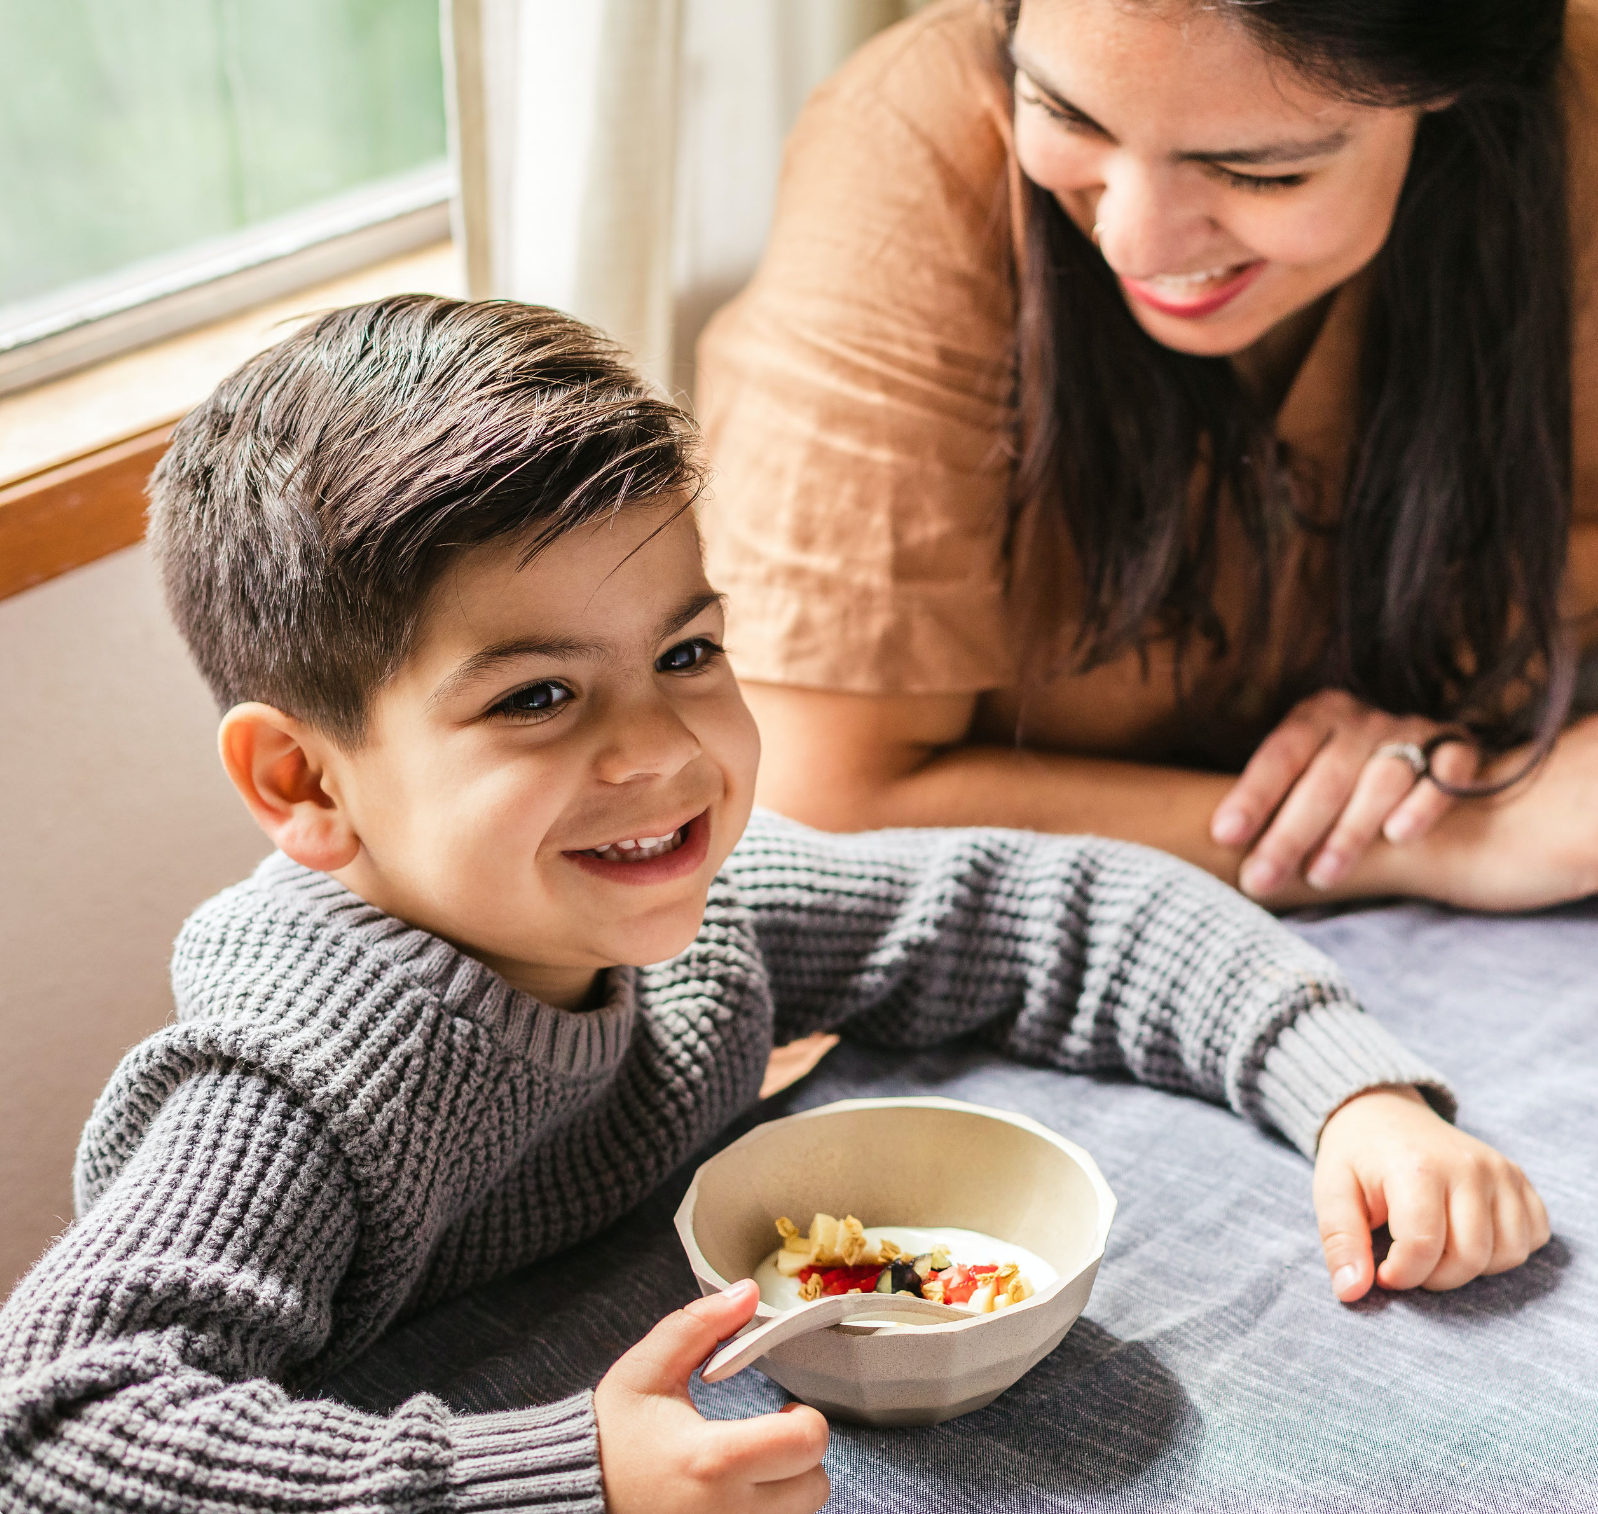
x: 1450, y: 538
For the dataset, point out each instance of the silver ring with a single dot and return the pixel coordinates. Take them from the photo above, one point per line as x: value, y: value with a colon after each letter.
x: 1406, y: 751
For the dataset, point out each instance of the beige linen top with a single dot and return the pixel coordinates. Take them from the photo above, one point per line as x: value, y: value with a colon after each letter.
x: 859, y: 402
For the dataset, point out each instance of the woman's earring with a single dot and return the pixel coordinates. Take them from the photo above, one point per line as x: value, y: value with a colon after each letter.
x: 1096, y: 230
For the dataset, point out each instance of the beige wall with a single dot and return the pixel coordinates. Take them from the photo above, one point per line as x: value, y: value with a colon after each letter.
x: 115, y: 821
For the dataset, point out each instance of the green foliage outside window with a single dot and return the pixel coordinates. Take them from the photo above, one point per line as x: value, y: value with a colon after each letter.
x: 135, y: 128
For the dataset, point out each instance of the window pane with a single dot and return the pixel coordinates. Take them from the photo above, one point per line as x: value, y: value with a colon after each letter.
x: 132, y: 128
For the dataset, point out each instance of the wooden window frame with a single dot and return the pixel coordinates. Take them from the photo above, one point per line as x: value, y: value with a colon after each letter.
x: 66, y: 517
x: 75, y: 493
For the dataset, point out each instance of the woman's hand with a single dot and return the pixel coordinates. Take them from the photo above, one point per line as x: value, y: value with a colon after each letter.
x: 659, y: 1456
x: 1317, y: 793
x: 1532, y: 846
x: 1456, y: 1208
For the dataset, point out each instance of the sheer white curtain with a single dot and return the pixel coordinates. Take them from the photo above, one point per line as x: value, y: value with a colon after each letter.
x: 618, y: 158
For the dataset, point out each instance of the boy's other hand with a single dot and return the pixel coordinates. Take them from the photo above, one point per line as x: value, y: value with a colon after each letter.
x: 1456, y: 1209
x: 660, y: 1456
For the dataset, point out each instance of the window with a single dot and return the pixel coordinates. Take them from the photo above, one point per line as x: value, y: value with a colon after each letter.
x: 166, y: 161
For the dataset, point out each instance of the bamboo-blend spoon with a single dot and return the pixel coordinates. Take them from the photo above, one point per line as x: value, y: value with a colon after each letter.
x: 743, y: 1350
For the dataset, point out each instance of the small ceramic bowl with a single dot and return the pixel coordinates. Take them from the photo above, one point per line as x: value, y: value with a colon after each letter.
x: 922, y: 1161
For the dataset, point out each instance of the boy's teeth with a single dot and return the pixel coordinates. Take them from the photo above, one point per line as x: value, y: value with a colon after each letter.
x: 640, y: 849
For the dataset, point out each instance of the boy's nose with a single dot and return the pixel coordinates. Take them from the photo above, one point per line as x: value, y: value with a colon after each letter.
x: 646, y: 739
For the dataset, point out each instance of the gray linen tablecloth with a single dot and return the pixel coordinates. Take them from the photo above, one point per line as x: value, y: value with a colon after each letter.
x: 1213, y: 1369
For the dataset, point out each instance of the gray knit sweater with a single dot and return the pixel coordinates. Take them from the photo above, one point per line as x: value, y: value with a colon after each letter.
x: 350, y: 1120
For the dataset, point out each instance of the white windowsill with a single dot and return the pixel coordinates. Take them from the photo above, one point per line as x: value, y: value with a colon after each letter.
x: 70, y: 417
x: 96, y: 319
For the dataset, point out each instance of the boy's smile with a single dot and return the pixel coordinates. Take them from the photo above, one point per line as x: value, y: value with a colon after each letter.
x: 557, y: 772
x: 650, y: 859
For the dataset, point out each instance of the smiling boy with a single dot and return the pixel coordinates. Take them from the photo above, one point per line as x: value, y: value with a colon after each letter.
x: 551, y: 842
x: 521, y: 950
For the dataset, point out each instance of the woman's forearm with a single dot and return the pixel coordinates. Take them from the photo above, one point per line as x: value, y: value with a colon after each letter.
x: 845, y: 762
x: 1163, y: 807
x: 850, y: 763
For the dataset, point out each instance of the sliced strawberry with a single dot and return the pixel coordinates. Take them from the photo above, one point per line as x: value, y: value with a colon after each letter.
x: 843, y: 1279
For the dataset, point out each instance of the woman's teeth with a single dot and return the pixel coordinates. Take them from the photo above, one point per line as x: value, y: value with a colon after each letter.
x: 642, y: 849
x: 1191, y: 280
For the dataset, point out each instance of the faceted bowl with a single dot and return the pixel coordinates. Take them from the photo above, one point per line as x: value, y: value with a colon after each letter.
x: 916, y: 1161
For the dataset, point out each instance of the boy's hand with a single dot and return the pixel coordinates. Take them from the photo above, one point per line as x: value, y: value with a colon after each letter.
x: 659, y: 1456
x: 1456, y: 1208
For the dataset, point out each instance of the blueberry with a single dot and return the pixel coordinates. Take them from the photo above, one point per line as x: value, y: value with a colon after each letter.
x: 903, y: 1278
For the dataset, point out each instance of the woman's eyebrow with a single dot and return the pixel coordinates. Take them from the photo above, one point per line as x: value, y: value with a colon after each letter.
x: 1041, y: 83
x: 1273, y: 152
x: 1265, y: 153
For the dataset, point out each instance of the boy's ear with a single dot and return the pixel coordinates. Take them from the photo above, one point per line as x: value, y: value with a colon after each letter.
x: 279, y: 766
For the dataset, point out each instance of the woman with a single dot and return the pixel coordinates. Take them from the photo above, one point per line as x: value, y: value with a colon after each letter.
x: 1134, y: 395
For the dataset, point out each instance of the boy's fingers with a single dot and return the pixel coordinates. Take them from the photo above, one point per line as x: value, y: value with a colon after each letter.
x: 1537, y: 1211
x: 663, y: 1359
x: 1345, y: 1232
x: 804, y: 1494
x: 787, y: 1064
x: 768, y: 1448
x: 726, y: 1312
x: 1511, y: 1228
x: 1418, y: 1219
x: 1470, y: 1239
x: 1522, y: 1223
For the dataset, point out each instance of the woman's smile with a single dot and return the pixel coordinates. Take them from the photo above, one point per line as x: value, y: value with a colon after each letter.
x: 1193, y: 295
x: 1171, y: 137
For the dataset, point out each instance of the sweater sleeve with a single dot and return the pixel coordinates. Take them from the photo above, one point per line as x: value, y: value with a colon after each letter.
x: 143, y: 1361
x: 1085, y: 954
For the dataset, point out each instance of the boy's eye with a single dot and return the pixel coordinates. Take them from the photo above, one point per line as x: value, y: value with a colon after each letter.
x: 688, y: 656
x: 534, y: 700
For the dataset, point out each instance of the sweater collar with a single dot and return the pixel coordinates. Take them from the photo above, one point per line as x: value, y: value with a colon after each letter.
x: 577, y: 1043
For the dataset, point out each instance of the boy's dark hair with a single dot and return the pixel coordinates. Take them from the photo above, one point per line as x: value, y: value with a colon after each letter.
x: 304, y: 512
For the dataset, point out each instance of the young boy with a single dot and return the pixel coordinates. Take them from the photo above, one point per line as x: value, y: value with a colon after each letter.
x: 517, y: 956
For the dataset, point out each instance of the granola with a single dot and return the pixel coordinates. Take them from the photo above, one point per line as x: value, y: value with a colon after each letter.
x: 836, y: 1256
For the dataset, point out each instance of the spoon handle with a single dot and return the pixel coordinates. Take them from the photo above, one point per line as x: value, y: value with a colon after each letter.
x: 742, y: 1350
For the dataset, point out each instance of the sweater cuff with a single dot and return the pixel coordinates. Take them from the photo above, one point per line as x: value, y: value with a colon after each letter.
x: 1327, y: 1055
x: 543, y: 1458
